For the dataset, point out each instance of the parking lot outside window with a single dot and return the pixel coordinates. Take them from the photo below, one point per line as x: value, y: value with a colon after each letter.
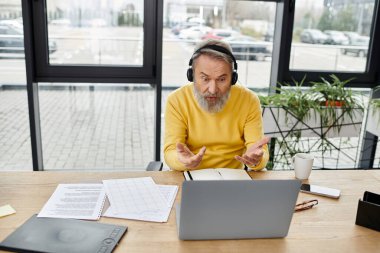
x: 331, y: 35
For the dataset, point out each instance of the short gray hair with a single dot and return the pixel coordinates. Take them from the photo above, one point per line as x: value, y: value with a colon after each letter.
x: 213, y: 53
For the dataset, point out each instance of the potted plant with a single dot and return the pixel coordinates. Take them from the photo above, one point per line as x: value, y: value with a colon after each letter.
x: 326, y: 106
x: 338, y: 103
x: 333, y: 92
x: 297, y: 112
x: 286, y: 115
x: 293, y: 98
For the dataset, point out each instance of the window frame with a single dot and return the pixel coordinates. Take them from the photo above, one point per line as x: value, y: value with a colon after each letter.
x: 45, y: 72
x: 38, y: 69
x: 367, y: 79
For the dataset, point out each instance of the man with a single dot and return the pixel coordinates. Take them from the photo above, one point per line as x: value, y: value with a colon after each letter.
x: 210, y: 122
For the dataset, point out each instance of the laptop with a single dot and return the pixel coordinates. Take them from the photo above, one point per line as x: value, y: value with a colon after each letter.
x: 236, y: 209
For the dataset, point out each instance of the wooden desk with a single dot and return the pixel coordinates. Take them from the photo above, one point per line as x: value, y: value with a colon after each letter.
x: 328, y: 227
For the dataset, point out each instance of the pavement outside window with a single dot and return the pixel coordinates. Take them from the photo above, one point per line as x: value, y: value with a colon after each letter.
x: 99, y: 127
x: 82, y: 127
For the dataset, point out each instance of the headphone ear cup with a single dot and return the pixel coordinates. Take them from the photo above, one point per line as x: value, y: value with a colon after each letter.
x: 234, y: 78
x: 189, y: 74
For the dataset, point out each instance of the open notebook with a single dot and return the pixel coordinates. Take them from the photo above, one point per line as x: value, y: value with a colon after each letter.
x: 217, y: 174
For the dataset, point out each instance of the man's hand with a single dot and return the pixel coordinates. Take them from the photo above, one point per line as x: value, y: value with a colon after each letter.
x: 254, y: 154
x: 187, y: 157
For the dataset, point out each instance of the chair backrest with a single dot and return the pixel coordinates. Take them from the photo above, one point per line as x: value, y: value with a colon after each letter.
x: 154, y: 166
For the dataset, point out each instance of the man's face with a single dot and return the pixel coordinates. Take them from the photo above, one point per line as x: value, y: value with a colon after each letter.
x: 212, y: 83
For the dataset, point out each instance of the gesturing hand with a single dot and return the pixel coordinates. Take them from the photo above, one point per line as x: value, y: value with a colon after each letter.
x: 187, y: 157
x: 254, y: 154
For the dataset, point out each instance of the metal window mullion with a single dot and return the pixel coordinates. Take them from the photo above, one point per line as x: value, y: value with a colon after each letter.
x: 32, y: 88
x: 158, y: 74
x: 35, y: 126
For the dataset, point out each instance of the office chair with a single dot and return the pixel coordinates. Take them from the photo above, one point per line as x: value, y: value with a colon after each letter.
x: 154, y: 166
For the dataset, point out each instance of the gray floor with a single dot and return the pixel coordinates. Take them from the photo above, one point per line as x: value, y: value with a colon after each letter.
x: 81, y: 129
x: 108, y: 128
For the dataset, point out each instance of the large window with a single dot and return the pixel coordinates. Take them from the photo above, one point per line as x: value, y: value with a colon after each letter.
x: 15, y: 152
x: 246, y: 25
x: 94, y: 67
x: 92, y: 82
x: 102, y: 126
x: 87, y: 40
x: 331, y: 35
x: 96, y: 32
x: 12, y: 63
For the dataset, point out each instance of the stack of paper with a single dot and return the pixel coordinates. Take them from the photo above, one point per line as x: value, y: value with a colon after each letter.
x: 139, y: 199
x: 133, y: 198
x: 77, y: 201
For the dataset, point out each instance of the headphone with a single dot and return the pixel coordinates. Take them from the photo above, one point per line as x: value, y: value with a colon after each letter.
x: 219, y: 49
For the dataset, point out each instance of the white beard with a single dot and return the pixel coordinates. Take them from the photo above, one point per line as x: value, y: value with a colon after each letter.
x: 214, y: 107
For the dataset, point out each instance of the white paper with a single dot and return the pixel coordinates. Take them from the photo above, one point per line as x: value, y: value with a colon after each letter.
x: 169, y: 192
x: 139, y: 199
x: 77, y: 201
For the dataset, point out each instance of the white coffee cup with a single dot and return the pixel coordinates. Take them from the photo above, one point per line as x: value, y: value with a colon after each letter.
x: 302, y: 164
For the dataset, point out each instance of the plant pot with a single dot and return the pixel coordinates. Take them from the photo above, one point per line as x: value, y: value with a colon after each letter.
x: 333, y: 103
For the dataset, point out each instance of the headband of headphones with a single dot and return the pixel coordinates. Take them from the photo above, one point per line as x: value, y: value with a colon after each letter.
x: 217, y: 48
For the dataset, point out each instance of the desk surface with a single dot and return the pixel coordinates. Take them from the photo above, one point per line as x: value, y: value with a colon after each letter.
x: 328, y: 227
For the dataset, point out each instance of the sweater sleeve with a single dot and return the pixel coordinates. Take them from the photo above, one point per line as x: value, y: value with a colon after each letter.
x: 175, y: 131
x: 253, y: 130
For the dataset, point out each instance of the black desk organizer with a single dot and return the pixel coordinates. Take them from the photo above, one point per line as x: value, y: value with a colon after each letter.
x: 368, y: 214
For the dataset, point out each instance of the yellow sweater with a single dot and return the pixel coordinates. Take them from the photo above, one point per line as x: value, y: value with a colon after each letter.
x: 224, y: 134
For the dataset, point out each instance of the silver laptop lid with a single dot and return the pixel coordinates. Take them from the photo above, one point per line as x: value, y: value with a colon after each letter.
x: 236, y: 209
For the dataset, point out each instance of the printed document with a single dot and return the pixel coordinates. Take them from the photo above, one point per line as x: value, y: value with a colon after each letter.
x: 168, y: 191
x: 217, y: 174
x: 77, y: 201
x: 139, y: 199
